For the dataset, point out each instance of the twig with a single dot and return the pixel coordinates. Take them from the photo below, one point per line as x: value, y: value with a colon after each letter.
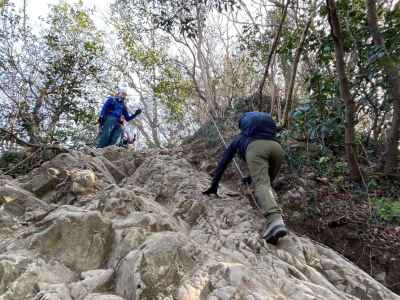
x: 20, y: 163
x: 26, y: 144
x: 271, y: 53
x: 370, y: 260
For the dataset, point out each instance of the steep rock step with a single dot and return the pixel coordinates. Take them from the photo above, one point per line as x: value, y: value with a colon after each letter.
x: 153, y: 235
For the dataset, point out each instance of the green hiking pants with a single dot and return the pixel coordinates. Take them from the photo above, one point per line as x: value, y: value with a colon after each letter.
x: 264, y: 158
x: 110, y: 132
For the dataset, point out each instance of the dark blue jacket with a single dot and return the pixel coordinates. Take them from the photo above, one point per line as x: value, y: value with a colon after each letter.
x: 115, y: 106
x: 253, y: 126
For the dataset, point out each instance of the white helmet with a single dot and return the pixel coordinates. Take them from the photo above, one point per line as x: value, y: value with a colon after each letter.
x: 123, y: 87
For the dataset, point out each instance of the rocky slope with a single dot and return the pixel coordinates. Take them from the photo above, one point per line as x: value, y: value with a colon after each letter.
x: 112, y: 225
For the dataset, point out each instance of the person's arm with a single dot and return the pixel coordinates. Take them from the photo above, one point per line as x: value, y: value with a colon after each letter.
x: 229, y: 154
x: 106, y: 107
x: 129, y: 117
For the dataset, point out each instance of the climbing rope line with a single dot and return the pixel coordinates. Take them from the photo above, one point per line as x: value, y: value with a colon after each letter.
x: 253, y: 198
x: 226, y: 145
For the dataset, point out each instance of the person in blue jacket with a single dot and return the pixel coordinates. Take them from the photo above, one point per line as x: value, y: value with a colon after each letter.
x: 110, y: 119
x: 257, y: 145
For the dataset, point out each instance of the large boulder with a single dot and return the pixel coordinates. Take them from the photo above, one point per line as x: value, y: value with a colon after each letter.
x: 58, y: 291
x: 119, y: 202
x: 125, y: 160
x: 135, y: 215
x: 18, y: 201
x: 22, y: 276
x: 60, y: 174
x: 155, y: 270
x: 78, y: 238
x: 132, y: 232
x: 92, y: 281
x: 11, y: 267
x: 175, y: 184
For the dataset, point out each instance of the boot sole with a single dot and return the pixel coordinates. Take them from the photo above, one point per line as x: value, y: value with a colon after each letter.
x: 279, y: 232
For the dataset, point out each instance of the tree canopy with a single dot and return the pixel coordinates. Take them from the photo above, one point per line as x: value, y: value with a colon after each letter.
x: 326, y: 71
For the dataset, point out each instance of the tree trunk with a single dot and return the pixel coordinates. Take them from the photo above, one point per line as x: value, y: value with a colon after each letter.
x: 149, y: 141
x: 392, y: 73
x: 24, y: 19
x: 154, y: 124
x: 203, y: 63
x: 286, y: 72
x: 336, y: 33
x: 270, y: 55
x: 299, y: 50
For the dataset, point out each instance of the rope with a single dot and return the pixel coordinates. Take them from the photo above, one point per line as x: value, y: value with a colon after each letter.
x: 226, y: 146
x: 248, y: 190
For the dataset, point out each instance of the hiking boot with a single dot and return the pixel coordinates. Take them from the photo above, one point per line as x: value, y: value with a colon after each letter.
x: 274, y: 231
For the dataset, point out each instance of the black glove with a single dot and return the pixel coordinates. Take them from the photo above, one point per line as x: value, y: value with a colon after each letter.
x: 247, y: 180
x: 212, y: 190
x: 138, y: 112
x: 101, y: 120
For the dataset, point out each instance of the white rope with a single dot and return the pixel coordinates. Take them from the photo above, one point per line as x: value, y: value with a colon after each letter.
x: 226, y: 146
x: 253, y: 198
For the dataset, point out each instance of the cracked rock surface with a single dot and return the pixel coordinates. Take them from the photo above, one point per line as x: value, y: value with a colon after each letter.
x: 112, y: 225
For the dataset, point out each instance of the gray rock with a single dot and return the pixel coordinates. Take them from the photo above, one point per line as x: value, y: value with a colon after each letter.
x: 97, y: 296
x: 18, y: 201
x: 11, y: 267
x: 52, y: 292
x: 93, y: 281
x: 165, y: 241
x: 53, y: 175
x: 23, y: 277
x: 78, y: 238
x: 155, y: 270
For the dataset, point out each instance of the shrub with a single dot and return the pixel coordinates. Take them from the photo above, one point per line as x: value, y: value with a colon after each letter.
x: 387, y: 209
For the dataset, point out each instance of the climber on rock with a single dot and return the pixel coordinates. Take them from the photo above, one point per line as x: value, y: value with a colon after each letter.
x: 110, y: 119
x: 257, y: 145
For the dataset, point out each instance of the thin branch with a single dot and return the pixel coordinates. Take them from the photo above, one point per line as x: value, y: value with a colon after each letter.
x: 271, y: 53
x: 26, y: 144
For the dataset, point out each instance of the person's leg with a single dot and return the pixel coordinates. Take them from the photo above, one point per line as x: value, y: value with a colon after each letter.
x: 260, y: 155
x: 116, y: 134
x: 257, y: 158
x: 275, y: 160
x: 105, y: 132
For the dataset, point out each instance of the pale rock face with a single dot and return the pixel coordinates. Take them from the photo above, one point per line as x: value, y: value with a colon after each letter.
x: 126, y: 161
x: 96, y: 296
x: 18, y: 201
x: 11, y: 267
x: 52, y: 292
x: 155, y: 270
x: 120, y: 202
x: 23, y: 276
x: 93, y: 281
x: 145, y: 231
x: 6, y: 218
x: 46, y: 180
x: 228, y: 227
x: 78, y: 238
